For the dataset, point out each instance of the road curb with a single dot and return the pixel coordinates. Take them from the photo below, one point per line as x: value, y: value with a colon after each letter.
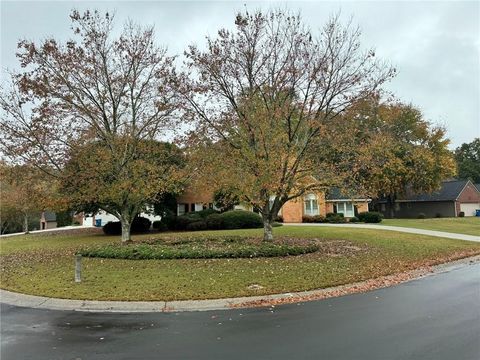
x: 46, y: 303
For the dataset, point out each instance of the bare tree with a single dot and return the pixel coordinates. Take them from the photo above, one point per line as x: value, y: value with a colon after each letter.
x: 94, y: 88
x: 266, y: 94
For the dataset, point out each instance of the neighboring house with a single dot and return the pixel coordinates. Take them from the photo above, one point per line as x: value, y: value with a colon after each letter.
x: 292, y: 211
x: 48, y: 220
x: 318, y: 203
x: 454, y: 196
x: 102, y: 217
x: 192, y: 200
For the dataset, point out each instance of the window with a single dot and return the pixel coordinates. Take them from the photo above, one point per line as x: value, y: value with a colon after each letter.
x: 311, y: 205
x: 345, y: 208
x: 181, y: 209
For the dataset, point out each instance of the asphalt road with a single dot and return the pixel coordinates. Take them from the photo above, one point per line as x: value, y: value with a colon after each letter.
x: 436, y: 318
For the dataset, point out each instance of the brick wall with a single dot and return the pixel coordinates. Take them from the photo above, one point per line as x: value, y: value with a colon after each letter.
x: 469, y: 195
x: 191, y: 196
x: 292, y: 211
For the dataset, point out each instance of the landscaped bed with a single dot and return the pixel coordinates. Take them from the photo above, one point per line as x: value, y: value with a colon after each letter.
x: 183, y: 247
x: 44, y: 264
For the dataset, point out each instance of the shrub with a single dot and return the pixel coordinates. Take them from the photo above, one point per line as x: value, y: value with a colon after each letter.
x: 214, y: 222
x: 169, y: 222
x: 313, y: 219
x: 307, y: 219
x: 318, y: 219
x: 279, y: 219
x: 203, y: 249
x: 141, y: 225
x: 240, y: 219
x: 205, y: 213
x: 330, y: 214
x: 182, y: 221
x: 335, y: 219
x: 112, y: 228
x: 370, y: 217
x: 197, y: 225
x: 461, y: 214
x: 421, y: 216
x: 353, y: 219
x: 160, y: 225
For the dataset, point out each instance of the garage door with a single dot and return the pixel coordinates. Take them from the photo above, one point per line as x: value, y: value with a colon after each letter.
x: 469, y: 209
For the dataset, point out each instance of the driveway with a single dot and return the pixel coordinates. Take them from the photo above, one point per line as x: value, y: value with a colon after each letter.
x: 436, y: 317
x: 443, y: 234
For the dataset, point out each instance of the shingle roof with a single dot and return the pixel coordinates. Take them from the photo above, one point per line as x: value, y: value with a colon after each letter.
x: 50, y: 216
x: 477, y: 186
x: 449, y: 191
x: 335, y: 193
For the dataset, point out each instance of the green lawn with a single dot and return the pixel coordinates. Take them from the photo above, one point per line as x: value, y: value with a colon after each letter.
x: 43, y: 265
x: 465, y: 225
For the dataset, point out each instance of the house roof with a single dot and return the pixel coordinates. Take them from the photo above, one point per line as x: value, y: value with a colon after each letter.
x: 50, y: 216
x: 335, y: 193
x: 477, y: 186
x: 449, y: 191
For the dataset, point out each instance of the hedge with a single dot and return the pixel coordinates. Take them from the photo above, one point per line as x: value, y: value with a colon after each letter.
x: 370, y: 217
x: 241, y: 219
x: 196, y: 251
x: 139, y: 225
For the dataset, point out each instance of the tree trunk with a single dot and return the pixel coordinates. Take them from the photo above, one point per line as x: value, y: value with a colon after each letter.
x: 25, y: 223
x: 267, y: 229
x: 126, y: 227
x: 391, y: 206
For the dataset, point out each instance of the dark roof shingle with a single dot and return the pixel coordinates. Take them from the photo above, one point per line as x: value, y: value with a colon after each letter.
x: 449, y: 191
x: 335, y: 193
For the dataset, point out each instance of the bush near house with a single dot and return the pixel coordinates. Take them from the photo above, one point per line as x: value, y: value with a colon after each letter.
x: 160, y: 225
x: 214, y: 222
x: 211, y: 220
x: 333, y: 218
x: 370, y: 217
x: 241, y: 219
x: 313, y: 219
x: 139, y: 225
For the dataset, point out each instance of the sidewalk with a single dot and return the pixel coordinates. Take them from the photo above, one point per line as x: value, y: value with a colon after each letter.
x: 397, y: 228
x: 46, y: 231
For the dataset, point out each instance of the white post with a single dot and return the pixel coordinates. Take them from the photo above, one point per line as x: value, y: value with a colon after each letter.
x: 78, y: 268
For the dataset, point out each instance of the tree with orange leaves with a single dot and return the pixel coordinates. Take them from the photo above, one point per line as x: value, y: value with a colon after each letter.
x: 264, y: 95
x: 97, y: 88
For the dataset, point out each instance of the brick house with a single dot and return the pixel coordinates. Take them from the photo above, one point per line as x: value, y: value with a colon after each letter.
x: 48, y: 220
x: 453, y: 197
x: 315, y: 203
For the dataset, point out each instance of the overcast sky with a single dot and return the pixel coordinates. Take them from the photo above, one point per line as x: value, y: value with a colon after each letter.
x: 435, y: 46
